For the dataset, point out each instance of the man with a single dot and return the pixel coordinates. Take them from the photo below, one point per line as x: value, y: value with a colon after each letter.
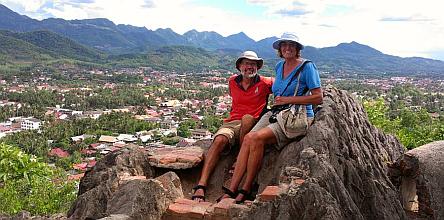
x: 249, y: 93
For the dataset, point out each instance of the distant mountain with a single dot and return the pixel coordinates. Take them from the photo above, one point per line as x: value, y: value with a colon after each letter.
x: 43, y: 45
x: 114, y: 39
x: 360, y: 58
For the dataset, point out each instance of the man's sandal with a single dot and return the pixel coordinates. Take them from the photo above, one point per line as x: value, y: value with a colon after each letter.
x: 228, y: 192
x: 194, y: 197
x: 246, y: 196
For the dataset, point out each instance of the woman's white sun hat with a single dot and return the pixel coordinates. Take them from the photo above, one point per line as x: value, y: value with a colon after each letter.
x: 287, y: 36
x: 251, y: 55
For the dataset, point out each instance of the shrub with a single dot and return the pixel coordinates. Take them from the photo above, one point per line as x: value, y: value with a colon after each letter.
x: 27, y: 184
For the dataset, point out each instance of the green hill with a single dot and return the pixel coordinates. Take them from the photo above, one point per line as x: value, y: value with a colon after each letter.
x: 178, y: 58
x: 41, y: 45
x: 13, y: 50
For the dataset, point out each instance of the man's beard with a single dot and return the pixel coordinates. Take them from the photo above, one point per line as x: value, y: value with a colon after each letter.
x: 251, y: 75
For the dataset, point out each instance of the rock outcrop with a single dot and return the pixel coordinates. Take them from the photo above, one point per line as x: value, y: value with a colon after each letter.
x: 342, y: 164
x: 123, y: 184
x: 419, y: 174
x: 337, y: 171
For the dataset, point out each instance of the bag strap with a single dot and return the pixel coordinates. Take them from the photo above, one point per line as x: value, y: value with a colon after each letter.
x: 298, y: 75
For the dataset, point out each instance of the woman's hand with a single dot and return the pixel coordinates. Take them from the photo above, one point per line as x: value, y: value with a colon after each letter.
x: 281, y: 100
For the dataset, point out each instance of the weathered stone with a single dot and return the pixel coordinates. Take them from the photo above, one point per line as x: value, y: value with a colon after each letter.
x: 139, y: 199
x: 337, y: 171
x: 420, y: 176
x: 91, y: 204
x: 99, y: 183
x: 343, y: 162
x: 171, y: 184
x: 175, y: 158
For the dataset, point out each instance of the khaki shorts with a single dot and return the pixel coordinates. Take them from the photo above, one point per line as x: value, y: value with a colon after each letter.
x: 281, y: 139
x: 231, y: 130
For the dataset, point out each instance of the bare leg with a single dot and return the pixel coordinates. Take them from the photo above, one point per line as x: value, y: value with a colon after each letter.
x: 247, y: 123
x: 210, y: 161
x: 256, y: 142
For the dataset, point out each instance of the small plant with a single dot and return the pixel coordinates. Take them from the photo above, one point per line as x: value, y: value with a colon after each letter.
x: 28, y: 184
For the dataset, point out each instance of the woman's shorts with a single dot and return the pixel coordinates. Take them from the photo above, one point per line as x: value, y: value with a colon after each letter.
x: 281, y: 139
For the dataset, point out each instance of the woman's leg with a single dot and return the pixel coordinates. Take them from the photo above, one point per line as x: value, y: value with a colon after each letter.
x: 256, y: 142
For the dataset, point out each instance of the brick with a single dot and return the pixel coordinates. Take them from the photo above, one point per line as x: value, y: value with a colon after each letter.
x: 186, y: 208
x: 298, y: 181
x: 167, y: 159
x: 185, y: 211
x: 222, y: 207
x: 270, y: 193
x: 192, y: 202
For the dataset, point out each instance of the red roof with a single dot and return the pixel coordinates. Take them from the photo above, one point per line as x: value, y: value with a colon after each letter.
x: 58, y: 152
x: 91, y: 163
x: 80, y: 166
x: 94, y: 145
x: 88, y: 151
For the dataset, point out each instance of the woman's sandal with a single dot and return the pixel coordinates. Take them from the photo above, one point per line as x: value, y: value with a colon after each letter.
x: 227, y: 192
x: 246, y: 196
x: 204, y: 188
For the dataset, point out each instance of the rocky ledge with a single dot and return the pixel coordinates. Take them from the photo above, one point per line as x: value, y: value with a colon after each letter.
x: 339, y: 170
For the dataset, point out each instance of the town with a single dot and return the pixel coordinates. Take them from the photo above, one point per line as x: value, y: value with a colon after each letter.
x: 176, y: 109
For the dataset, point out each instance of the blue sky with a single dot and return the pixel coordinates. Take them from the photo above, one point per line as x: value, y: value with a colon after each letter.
x: 398, y: 27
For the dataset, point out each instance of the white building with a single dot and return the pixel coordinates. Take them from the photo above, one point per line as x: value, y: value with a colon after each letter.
x: 30, y: 124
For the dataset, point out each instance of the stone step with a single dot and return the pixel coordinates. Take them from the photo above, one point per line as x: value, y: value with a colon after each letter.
x: 186, y: 209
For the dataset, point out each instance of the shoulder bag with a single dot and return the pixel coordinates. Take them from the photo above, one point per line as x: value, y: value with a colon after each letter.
x: 293, y: 120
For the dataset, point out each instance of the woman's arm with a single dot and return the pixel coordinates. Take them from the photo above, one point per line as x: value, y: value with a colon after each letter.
x: 315, y: 98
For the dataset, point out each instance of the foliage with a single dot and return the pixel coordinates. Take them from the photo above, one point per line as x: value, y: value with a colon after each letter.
x: 170, y: 140
x: 413, y: 128
x: 27, y: 184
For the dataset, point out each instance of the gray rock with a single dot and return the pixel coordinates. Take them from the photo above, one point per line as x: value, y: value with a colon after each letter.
x: 99, y: 184
x: 171, y: 183
x: 419, y: 174
x: 139, y: 199
x: 343, y: 160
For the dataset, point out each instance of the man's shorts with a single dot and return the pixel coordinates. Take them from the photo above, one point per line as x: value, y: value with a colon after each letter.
x: 231, y: 130
x: 281, y: 139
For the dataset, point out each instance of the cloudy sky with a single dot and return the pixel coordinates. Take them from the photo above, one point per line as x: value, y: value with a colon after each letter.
x: 397, y: 27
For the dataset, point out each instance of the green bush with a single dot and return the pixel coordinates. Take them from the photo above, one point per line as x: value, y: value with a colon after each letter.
x: 27, y: 184
x: 413, y: 128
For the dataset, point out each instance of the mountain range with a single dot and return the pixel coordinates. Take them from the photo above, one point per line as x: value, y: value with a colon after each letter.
x: 99, y: 39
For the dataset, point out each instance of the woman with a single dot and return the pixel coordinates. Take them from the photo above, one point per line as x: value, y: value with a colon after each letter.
x: 268, y: 132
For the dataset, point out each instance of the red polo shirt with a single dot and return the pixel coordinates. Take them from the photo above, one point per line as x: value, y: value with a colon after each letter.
x: 251, y: 101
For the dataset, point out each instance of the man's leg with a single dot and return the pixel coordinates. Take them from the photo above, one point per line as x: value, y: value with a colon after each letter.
x: 210, y: 161
x: 247, y: 123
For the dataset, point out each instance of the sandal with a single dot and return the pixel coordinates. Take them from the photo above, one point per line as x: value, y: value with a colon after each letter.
x: 246, y: 196
x: 204, y: 188
x: 227, y: 192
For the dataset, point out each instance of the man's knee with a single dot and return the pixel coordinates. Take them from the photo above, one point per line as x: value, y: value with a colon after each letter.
x: 248, y: 121
x: 219, y: 142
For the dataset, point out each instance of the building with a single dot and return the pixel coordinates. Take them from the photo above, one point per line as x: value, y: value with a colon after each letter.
x: 200, y: 134
x: 31, y: 124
